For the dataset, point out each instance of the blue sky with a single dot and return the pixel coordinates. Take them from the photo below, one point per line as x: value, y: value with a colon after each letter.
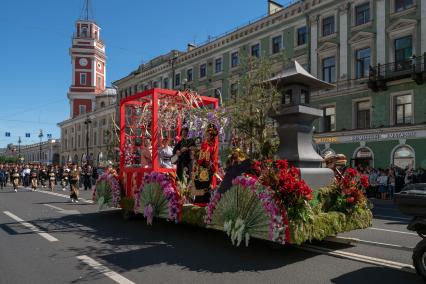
x: 35, y: 67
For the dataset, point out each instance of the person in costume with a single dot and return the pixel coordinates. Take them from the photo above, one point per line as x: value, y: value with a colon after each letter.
x: 182, y: 151
x: 34, y: 177
x: 65, y: 177
x: 43, y: 176
x: 87, y: 182
x: 74, y: 184
x: 15, y: 177
x: 166, y: 154
x: 51, y: 173
x: 205, y: 169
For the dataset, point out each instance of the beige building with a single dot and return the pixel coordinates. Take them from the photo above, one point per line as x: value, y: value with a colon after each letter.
x: 92, y: 133
x: 46, y: 152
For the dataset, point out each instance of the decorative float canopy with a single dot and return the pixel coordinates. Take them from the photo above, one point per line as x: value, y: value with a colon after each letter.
x: 148, y: 118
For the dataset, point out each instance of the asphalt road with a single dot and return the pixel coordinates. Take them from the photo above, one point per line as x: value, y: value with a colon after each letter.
x: 46, y: 239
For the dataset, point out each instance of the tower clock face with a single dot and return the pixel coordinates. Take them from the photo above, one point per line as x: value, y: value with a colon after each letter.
x: 83, y: 62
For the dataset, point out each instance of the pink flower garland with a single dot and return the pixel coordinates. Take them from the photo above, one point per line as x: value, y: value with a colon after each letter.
x: 115, y: 188
x: 277, y: 224
x: 169, y: 191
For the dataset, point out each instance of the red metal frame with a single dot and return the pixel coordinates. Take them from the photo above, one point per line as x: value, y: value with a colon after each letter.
x: 129, y: 175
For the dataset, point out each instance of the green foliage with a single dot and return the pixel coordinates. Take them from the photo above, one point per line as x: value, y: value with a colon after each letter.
x: 193, y: 215
x: 152, y: 193
x: 240, y: 213
x: 4, y: 159
x: 103, y: 194
x: 127, y: 204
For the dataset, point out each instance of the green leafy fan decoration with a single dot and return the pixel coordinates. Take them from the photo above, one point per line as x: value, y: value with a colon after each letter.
x: 152, y: 194
x: 103, y: 194
x: 241, y: 215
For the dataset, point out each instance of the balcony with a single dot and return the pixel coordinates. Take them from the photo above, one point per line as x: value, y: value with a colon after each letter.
x: 380, y: 75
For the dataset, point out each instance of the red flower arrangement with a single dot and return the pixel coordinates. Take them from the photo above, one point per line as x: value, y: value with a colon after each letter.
x: 349, y: 188
x: 290, y: 192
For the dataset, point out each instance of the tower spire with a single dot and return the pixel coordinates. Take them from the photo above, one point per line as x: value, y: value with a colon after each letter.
x: 87, y: 12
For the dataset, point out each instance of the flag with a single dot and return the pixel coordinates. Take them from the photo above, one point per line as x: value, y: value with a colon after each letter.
x: 28, y: 135
x: 7, y: 134
x: 49, y: 136
x: 273, y: 7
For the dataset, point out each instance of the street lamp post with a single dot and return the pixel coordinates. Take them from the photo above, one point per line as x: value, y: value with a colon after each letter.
x: 87, y: 122
x: 19, y: 149
x: 40, y: 135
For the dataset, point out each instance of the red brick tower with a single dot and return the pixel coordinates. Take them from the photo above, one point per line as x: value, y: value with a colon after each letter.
x: 88, y: 66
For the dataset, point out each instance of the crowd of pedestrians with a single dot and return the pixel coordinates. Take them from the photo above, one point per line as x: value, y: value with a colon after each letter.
x: 385, y: 182
x: 38, y: 176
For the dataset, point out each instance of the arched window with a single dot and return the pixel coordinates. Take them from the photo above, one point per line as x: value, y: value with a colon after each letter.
x: 84, y: 32
x: 363, y: 157
x: 102, y: 104
x: 403, y: 157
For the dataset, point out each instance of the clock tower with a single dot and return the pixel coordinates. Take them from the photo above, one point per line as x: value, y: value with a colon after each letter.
x: 88, y: 67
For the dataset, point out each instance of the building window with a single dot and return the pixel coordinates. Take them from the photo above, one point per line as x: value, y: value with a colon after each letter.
x: 81, y: 109
x: 189, y: 75
x: 235, y: 59
x: 287, y: 98
x: 177, y: 79
x: 135, y: 89
x: 363, y: 60
x: 304, y: 97
x: 403, y: 157
x: 84, y: 32
x: 234, y: 91
x: 403, y: 109
x: 83, y: 79
x: 329, y: 118
x: 329, y: 69
x: 328, y: 26
x: 255, y: 50
x: 363, y: 114
x: 218, y: 65
x: 99, y: 82
x: 302, y: 36
x: 166, y: 83
x: 403, y: 48
x: 363, y: 158
x: 362, y: 14
x: 203, y: 70
x: 277, y: 44
x: 401, y: 5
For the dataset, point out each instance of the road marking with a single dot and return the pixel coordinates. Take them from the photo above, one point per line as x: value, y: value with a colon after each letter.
x: 33, y: 228
x: 64, y: 195
x: 392, y: 231
x: 63, y: 211
x: 104, y: 270
x: 350, y: 241
x: 361, y: 258
x: 392, y: 217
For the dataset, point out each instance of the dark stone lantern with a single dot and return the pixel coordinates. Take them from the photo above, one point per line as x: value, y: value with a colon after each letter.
x: 295, y: 123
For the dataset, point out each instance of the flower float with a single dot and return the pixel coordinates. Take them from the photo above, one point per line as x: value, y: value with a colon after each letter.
x: 158, y: 197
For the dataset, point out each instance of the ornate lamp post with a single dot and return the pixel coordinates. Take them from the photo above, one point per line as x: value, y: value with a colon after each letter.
x: 19, y: 149
x: 87, y: 122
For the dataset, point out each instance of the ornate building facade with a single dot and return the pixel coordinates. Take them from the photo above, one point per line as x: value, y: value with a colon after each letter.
x: 374, y: 51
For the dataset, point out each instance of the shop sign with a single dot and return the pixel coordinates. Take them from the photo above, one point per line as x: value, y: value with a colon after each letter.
x: 372, y: 137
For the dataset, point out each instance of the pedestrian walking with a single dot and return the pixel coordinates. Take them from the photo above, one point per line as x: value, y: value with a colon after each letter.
x: 15, y: 179
x: 74, y: 184
x: 65, y: 177
x: 34, y: 178
x: 392, y: 182
x: 2, y: 176
x: 383, y: 184
x: 52, y: 178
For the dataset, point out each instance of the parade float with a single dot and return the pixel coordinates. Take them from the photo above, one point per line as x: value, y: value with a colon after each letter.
x: 290, y: 199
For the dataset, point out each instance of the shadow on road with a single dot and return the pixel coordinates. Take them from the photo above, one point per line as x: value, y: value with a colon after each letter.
x: 377, y: 275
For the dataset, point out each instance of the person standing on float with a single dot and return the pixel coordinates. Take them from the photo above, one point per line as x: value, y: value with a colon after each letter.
x: 74, y: 184
x: 183, y: 152
x: 205, y: 170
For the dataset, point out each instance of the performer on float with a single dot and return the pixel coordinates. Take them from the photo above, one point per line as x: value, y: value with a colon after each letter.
x: 182, y: 155
x: 34, y: 177
x: 74, y: 183
x: 166, y: 154
x: 205, y: 170
x: 51, y: 173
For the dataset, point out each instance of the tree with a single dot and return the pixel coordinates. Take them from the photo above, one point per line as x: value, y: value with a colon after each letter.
x: 251, y: 107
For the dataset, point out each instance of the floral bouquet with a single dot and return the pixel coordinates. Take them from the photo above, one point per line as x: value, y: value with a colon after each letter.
x: 107, y: 191
x: 158, y: 197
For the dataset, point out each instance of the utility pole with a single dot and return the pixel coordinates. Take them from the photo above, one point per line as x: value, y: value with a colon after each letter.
x: 40, y: 135
x: 19, y: 149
